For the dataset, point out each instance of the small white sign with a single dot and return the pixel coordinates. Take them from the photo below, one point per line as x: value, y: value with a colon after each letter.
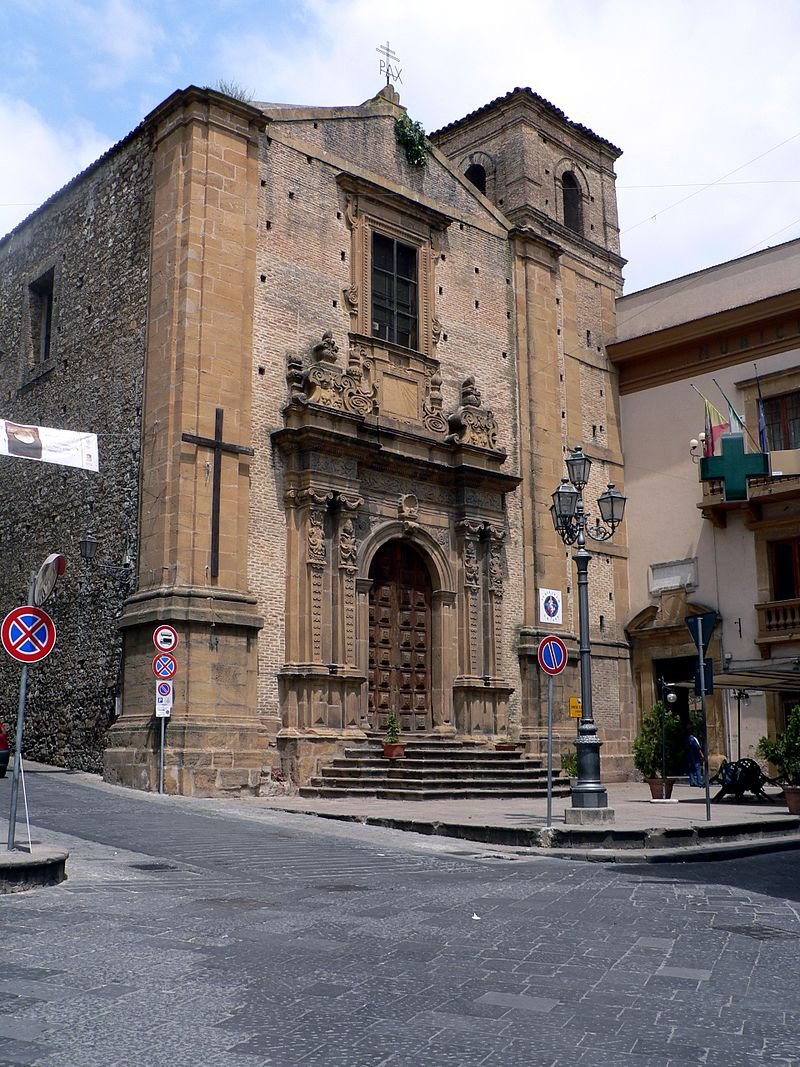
x: 550, y: 606
x: 163, y: 711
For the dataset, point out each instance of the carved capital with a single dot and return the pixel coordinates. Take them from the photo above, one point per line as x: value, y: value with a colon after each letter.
x: 470, y: 529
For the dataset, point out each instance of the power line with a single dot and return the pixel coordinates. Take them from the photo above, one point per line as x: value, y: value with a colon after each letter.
x: 721, y: 178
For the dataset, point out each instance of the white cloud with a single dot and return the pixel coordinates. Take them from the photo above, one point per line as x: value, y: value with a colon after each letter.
x: 120, y: 38
x: 688, y: 90
x: 43, y: 159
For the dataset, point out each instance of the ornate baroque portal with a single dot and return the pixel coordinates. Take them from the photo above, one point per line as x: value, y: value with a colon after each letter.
x: 396, y: 554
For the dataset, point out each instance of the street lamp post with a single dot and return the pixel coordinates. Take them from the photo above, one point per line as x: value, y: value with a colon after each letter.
x: 571, y: 524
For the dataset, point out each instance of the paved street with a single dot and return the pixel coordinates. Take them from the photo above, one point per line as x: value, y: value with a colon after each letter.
x: 212, y: 933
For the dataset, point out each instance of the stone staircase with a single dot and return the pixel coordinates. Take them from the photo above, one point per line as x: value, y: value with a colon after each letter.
x: 434, y: 768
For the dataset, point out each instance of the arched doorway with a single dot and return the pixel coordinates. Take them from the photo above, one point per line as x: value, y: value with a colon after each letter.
x: 400, y: 638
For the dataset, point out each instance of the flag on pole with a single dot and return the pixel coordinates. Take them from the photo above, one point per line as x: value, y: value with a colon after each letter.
x: 762, y: 421
x: 716, y: 425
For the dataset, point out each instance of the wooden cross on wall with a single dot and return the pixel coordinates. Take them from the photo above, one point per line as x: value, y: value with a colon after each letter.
x: 218, y: 446
x: 734, y: 467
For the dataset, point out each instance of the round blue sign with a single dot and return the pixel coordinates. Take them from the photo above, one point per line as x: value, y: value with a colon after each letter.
x: 552, y: 655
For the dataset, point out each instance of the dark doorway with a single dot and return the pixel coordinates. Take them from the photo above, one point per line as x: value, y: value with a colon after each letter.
x: 679, y: 672
x: 400, y: 638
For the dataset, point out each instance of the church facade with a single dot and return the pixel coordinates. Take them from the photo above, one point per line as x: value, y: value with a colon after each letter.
x: 334, y: 370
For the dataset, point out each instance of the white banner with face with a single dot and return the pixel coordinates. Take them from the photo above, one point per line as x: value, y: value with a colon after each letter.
x: 48, y: 445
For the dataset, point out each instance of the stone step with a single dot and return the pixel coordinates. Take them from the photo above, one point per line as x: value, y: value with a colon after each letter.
x: 426, y: 752
x: 427, y: 793
x: 401, y: 768
x: 458, y: 767
x: 392, y: 777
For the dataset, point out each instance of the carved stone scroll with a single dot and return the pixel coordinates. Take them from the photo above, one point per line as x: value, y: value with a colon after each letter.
x: 432, y: 416
x: 328, y: 385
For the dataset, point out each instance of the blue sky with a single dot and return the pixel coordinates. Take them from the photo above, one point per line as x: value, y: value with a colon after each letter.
x: 702, y: 96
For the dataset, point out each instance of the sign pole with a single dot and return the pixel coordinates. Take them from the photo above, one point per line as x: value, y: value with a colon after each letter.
x: 161, y: 760
x: 701, y: 627
x: 23, y: 686
x: 549, y: 750
x: 701, y: 661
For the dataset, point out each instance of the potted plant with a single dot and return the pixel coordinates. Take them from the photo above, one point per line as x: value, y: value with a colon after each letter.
x: 508, y: 740
x: 393, y: 748
x: 569, y: 766
x: 784, y: 752
x: 658, y: 750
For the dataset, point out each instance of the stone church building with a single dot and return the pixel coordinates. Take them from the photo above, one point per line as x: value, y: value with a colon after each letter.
x: 334, y: 371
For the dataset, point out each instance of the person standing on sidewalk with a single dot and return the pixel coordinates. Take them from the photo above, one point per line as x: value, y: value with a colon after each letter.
x: 694, y: 757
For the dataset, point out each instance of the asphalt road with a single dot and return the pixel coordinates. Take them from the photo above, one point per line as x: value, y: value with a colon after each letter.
x: 213, y: 934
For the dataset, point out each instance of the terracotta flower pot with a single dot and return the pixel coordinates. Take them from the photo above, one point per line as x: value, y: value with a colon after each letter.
x: 393, y: 751
x: 661, y: 788
x: 792, y: 795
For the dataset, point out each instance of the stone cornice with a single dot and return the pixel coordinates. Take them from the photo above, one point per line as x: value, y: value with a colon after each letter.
x: 737, y: 335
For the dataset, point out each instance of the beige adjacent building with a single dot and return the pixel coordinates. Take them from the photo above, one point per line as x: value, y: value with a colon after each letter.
x: 334, y: 390
x: 693, y: 546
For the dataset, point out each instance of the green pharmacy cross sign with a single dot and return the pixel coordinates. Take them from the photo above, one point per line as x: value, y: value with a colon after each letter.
x: 734, y: 467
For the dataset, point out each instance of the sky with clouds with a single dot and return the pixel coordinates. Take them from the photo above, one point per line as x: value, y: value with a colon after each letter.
x: 701, y: 95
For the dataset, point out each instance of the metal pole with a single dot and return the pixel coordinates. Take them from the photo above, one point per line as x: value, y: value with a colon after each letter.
x: 161, y: 760
x: 589, y: 791
x: 663, y: 743
x: 23, y: 686
x: 739, y: 723
x: 705, y: 727
x: 549, y: 750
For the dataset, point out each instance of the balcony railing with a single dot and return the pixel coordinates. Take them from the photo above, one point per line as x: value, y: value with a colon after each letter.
x: 778, y: 620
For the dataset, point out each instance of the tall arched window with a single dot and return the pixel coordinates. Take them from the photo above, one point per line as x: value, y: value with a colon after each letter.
x: 572, y: 202
x: 477, y: 175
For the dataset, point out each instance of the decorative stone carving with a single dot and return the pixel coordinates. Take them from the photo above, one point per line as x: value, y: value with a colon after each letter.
x: 350, y: 294
x: 327, y: 350
x: 348, y: 546
x: 496, y: 565
x: 470, y: 424
x: 327, y: 385
x: 432, y: 416
x: 294, y: 374
x: 442, y: 537
x: 470, y: 564
x: 436, y: 331
x: 408, y: 512
x: 315, y: 550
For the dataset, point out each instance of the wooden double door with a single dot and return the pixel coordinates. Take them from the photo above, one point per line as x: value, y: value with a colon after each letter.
x: 400, y: 638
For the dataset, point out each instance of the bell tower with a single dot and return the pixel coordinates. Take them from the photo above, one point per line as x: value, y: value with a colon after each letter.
x: 554, y: 181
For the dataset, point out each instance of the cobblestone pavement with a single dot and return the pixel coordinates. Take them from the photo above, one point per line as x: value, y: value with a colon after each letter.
x: 218, y: 934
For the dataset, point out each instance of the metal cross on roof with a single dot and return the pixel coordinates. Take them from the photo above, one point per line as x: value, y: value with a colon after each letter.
x: 392, y: 72
x: 734, y: 467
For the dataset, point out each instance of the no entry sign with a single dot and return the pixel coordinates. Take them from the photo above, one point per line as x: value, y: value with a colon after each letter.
x: 552, y: 655
x: 28, y: 634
